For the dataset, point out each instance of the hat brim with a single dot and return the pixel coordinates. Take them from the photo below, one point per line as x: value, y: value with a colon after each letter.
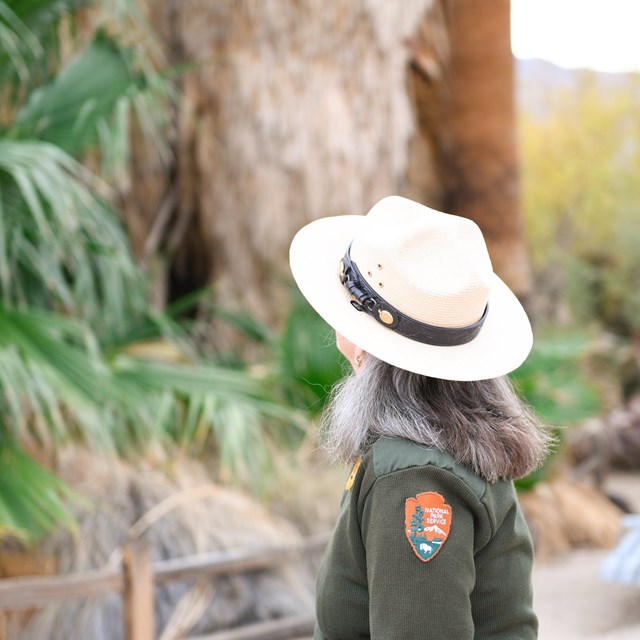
x: 502, y: 345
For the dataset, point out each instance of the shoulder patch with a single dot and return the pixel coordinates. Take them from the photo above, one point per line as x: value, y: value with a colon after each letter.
x: 427, y: 522
x: 352, y: 476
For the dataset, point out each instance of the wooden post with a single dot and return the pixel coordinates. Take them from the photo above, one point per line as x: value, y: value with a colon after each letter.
x: 139, y: 619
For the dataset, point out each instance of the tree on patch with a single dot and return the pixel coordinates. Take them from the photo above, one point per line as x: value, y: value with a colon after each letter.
x: 417, y: 520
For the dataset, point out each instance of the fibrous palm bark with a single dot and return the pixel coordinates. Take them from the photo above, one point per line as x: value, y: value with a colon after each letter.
x: 482, y: 167
x: 294, y: 110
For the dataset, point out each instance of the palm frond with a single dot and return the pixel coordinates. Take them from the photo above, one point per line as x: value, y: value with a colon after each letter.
x: 66, y: 112
x: 55, y: 385
x: 58, y: 239
x: 553, y: 383
x: 33, y: 501
x: 39, y: 15
x: 205, y: 404
x: 303, y: 362
x: 89, y: 99
x: 28, y: 32
x: 17, y: 43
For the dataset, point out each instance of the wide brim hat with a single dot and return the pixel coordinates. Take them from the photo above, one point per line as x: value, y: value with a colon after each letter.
x: 418, y: 272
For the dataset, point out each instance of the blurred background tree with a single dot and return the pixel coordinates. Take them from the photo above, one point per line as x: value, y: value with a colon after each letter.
x: 581, y: 159
x: 464, y: 158
x: 483, y: 170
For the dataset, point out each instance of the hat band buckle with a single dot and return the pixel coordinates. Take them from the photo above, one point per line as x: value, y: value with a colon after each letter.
x: 364, y: 298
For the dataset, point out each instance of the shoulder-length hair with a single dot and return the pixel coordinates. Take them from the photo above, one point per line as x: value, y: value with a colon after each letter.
x: 482, y: 424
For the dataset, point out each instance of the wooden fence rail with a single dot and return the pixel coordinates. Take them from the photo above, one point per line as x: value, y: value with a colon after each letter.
x: 136, y: 578
x: 292, y: 627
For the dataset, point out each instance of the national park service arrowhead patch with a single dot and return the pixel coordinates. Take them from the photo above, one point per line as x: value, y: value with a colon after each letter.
x: 427, y: 521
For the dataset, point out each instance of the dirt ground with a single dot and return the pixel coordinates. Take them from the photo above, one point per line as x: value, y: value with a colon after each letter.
x: 571, y: 600
x: 573, y: 603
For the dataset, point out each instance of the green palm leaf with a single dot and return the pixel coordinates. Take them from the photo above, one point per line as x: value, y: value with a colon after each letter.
x: 33, y: 501
x: 55, y: 384
x: 58, y: 241
x: 196, y: 405
x: 308, y: 359
x: 38, y: 15
x: 68, y: 110
x: 28, y: 32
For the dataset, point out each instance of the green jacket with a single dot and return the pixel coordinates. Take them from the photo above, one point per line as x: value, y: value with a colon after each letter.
x: 423, y: 548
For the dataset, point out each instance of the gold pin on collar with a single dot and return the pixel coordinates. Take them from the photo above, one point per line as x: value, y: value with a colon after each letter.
x: 385, y: 316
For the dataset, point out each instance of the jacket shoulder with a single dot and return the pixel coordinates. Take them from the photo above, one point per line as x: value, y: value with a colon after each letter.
x: 389, y: 455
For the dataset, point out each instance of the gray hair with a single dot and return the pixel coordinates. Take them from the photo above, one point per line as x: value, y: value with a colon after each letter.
x: 482, y: 424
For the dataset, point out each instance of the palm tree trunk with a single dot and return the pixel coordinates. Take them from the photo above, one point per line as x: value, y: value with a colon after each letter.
x: 294, y: 110
x: 482, y: 177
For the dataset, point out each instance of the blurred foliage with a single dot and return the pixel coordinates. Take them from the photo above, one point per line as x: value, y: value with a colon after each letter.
x: 553, y: 382
x: 32, y: 499
x: 581, y: 159
x: 301, y: 361
x: 64, y: 257
x: 82, y: 354
x: 307, y: 360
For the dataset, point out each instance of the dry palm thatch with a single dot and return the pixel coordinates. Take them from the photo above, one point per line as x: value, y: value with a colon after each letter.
x: 605, y: 442
x: 180, y: 513
x: 563, y: 514
x: 293, y: 110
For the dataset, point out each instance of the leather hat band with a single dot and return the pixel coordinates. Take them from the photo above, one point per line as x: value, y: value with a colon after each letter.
x: 365, y: 299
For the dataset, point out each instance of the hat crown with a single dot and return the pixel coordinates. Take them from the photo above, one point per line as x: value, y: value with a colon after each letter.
x: 432, y: 266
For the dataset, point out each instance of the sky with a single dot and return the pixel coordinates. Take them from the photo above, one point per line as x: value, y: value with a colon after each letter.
x: 597, y: 34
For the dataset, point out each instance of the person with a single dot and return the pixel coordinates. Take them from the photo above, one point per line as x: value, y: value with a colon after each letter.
x: 430, y: 541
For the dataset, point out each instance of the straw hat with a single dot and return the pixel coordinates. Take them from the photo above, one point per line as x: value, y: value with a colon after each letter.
x: 414, y: 287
